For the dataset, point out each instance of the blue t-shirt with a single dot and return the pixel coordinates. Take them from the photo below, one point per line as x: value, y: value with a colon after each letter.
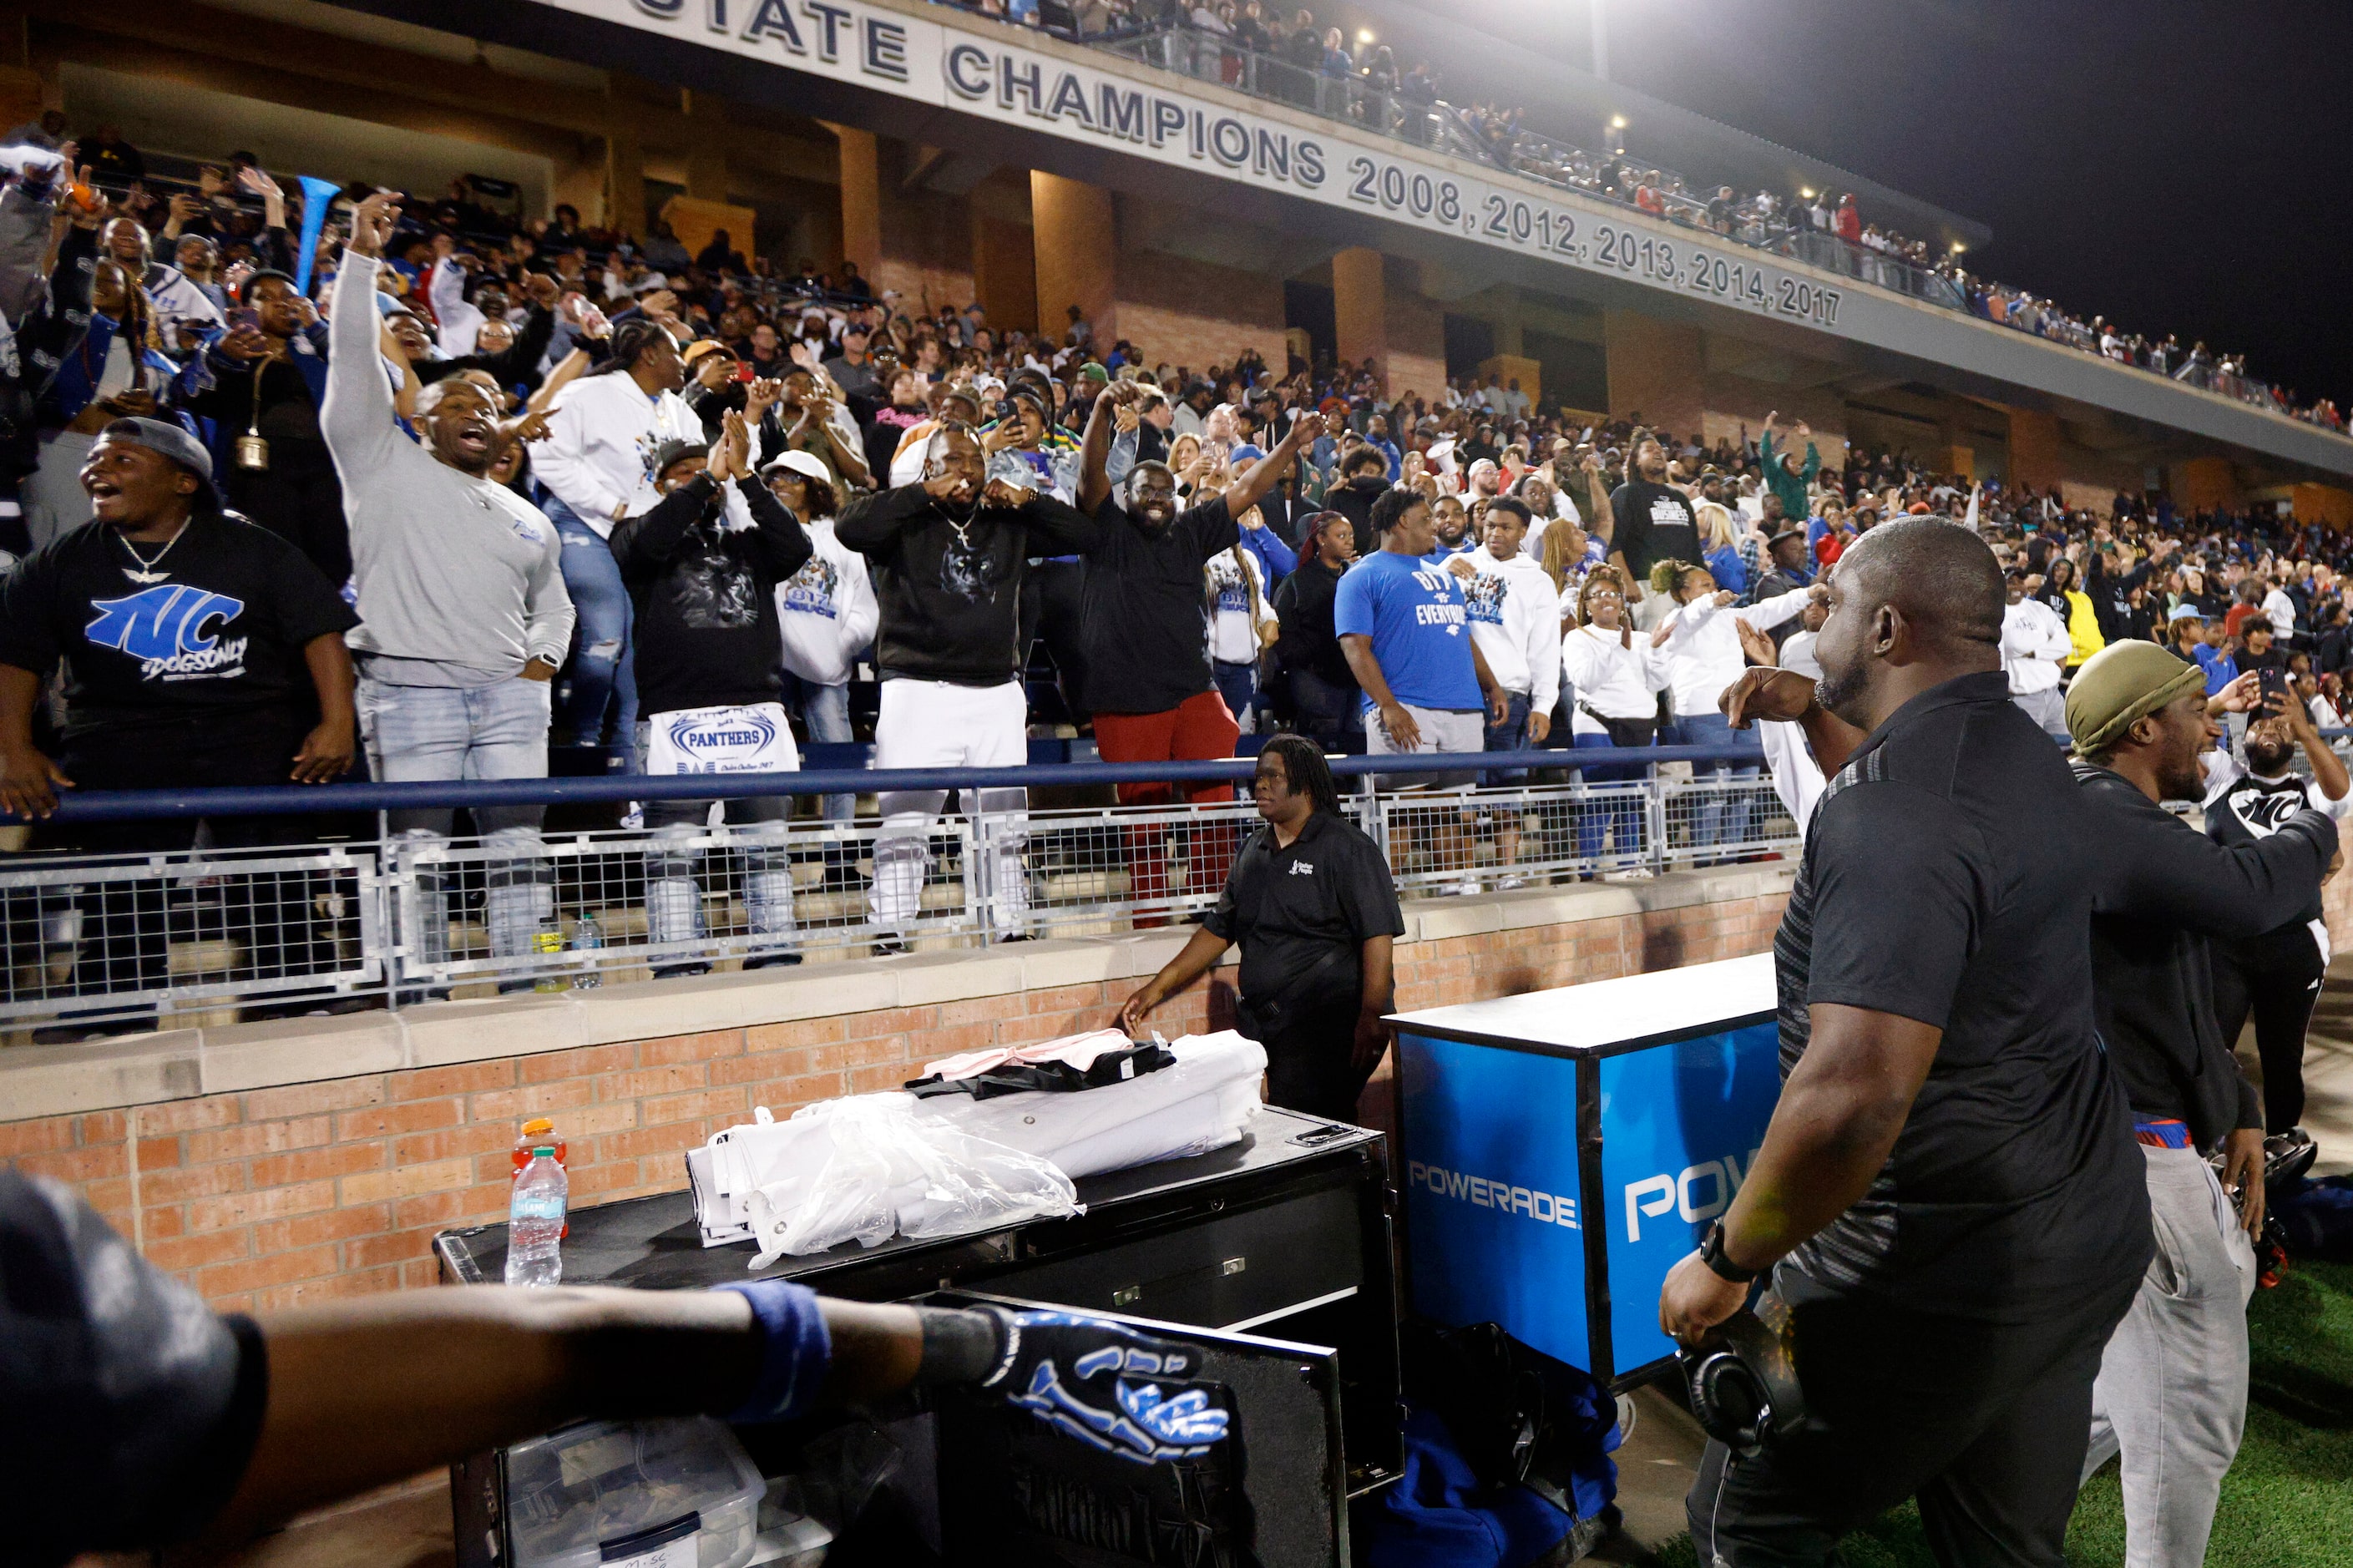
x: 2220, y: 667
x: 1412, y: 608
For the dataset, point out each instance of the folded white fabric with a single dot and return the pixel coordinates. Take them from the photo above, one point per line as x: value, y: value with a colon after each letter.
x: 1077, y: 1050
x: 932, y: 1163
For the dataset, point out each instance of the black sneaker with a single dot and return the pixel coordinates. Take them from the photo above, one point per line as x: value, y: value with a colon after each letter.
x: 889, y: 946
x: 773, y: 961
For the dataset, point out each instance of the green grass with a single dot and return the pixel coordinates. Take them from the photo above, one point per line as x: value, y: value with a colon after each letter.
x: 2288, y: 1501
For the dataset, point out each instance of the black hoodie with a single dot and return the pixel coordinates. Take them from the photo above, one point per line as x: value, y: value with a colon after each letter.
x: 950, y: 588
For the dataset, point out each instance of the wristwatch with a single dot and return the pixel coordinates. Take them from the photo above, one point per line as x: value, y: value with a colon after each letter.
x: 1711, y: 1252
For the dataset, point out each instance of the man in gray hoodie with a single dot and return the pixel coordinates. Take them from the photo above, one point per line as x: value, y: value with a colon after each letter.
x: 464, y: 619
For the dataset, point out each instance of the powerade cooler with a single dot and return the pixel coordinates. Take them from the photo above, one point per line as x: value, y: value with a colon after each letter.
x: 1564, y: 1149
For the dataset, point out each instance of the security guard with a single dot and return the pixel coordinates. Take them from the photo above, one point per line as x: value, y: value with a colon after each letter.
x: 1948, y: 1185
x: 1311, y: 901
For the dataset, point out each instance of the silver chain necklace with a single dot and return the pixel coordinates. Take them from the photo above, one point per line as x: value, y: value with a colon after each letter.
x: 146, y: 570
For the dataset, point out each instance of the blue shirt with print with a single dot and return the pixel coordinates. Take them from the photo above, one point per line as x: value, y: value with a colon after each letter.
x: 1413, y: 610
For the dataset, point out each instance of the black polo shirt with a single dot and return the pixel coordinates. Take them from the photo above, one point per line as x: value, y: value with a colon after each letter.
x: 1289, y: 908
x: 1945, y: 880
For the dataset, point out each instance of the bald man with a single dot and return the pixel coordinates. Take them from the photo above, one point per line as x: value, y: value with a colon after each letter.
x: 1948, y: 1196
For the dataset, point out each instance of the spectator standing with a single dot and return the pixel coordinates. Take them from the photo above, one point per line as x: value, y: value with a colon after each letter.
x: 949, y: 556
x: 825, y: 611
x: 1617, y: 678
x: 2034, y: 650
x: 464, y: 619
x: 1514, y: 617
x: 1402, y: 623
x: 1654, y: 522
x: 1151, y: 684
x: 707, y: 634
x: 1364, y: 479
x: 1322, y: 689
x: 1311, y: 902
x: 1785, y: 475
x: 197, y: 651
x: 1700, y: 644
x: 2274, y: 977
x: 595, y: 461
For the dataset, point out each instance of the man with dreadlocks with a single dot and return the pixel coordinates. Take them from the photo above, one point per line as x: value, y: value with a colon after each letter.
x: 1311, y: 902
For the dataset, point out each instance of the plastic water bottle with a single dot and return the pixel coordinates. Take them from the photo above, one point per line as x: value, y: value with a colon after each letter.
x: 548, y: 939
x: 536, y: 1221
x: 588, y: 937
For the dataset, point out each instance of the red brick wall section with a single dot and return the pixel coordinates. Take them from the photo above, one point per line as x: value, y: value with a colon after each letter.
x: 280, y: 1195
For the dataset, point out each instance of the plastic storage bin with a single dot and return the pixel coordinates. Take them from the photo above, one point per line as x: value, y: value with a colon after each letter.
x: 646, y: 1494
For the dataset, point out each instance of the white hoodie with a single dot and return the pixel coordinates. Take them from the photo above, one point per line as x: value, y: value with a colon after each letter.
x: 1617, y: 678
x: 1703, y: 652
x: 826, y: 610
x: 1514, y: 614
x: 598, y: 456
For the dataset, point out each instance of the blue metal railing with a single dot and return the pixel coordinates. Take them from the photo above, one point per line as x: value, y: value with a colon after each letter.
x: 149, y: 805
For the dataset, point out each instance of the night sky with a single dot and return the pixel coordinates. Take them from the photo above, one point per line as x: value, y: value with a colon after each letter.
x: 2174, y: 166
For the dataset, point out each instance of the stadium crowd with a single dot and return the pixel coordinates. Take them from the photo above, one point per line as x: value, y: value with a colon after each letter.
x: 733, y: 486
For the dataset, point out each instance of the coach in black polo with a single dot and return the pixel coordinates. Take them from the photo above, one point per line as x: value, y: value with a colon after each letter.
x: 1948, y: 1196
x: 1311, y: 901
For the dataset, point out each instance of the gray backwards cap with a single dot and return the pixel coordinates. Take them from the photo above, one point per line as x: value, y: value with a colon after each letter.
x: 168, y: 441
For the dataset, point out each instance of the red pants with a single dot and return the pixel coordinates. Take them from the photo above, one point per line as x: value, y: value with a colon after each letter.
x: 1199, y: 727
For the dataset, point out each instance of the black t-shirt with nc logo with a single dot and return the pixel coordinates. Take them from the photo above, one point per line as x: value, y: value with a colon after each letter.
x: 221, y: 632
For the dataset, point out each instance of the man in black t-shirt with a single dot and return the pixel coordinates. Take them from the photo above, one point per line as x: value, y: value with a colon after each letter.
x: 1141, y: 626
x: 1948, y: 1185
x: 1654, y: 522
x: 198, y: 651
x: 1311, y: 902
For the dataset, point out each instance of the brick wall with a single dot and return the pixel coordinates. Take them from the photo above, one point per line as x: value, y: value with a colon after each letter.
x: 275, y: 1195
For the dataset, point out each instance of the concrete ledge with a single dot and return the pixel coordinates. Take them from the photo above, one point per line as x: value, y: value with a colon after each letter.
x: 178, y: 1064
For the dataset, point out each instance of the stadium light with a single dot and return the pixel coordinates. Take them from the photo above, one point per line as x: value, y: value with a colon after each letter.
x: 1806, y: 193
x: 1617, y: 123
x: 1364, y: 36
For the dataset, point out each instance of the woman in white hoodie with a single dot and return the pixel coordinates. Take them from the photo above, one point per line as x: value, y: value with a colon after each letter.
x: 597, y: 463
x: 826, y: 611
x: 1615, y: 678
x: 1700, y: 643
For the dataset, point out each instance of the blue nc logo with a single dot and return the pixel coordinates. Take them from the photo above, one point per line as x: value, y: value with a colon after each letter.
x: 159, y: 621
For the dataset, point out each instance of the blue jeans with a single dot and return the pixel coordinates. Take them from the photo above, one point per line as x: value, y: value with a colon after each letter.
x: 1727, y: 813
x: 443, y: 732
x: 825, y: 711
x: 603, y: 665
x: 1621, y: 816
x: 1511, y: 735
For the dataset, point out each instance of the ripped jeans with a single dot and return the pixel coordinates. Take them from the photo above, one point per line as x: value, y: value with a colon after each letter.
x: 603, y: 672
x: 674, y: 895
x: 432, y: 734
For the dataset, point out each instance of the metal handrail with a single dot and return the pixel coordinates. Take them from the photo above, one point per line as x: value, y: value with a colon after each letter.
x: 151, y: 805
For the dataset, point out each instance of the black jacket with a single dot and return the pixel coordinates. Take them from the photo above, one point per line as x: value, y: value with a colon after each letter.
x: 1302, y: 602
x: 2161, y: 889
x: 951, y: 602
x: 706, y: 596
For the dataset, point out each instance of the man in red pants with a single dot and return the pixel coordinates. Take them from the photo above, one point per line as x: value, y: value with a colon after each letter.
x: 1148, y: 680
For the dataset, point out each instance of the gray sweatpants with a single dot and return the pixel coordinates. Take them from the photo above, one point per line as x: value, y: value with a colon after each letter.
x: 2172, y: 1390
x: 2048, y: 709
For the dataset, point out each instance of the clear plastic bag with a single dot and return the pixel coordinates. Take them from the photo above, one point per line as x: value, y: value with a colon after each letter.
x: 888, y: 1173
